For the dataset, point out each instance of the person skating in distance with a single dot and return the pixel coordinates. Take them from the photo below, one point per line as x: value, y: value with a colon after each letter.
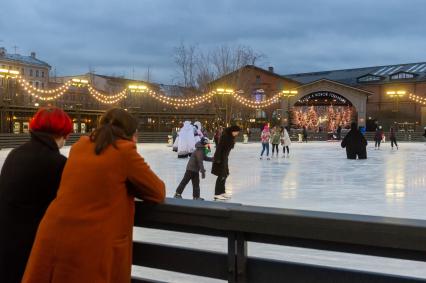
x: 355, y: 143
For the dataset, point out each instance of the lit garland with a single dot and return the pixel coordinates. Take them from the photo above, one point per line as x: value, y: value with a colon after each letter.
x: 112, y: 99
x: 107, y: 99
x: 40, y: 93
x: 256, y: 104
x: 418, y: 99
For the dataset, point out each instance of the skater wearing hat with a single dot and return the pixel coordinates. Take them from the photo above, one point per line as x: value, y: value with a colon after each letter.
x: 195, y: 165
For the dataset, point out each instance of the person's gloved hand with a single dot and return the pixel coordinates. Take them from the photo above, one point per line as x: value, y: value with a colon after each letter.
x: 203, y: 175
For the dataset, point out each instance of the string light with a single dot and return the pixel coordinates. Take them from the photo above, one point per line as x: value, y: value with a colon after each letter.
x: 418, y: 99
x: 53, y: 94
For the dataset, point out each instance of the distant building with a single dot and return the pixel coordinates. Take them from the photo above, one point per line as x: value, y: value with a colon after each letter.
x: 32, y: 69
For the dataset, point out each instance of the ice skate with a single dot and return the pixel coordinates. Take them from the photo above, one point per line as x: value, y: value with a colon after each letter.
x: 198, y: 198
x: 177, y: 196
x: 219, y: 197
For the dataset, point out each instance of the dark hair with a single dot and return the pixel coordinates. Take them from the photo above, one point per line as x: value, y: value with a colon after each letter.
x: 51, y: 120
x: 115, y: 124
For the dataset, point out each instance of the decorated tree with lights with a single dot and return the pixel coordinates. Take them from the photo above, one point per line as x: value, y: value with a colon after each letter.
x: 312, y: 118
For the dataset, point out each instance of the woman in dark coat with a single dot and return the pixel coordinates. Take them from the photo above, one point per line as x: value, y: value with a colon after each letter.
x: 220, y: 166
x: 355, y: 143
x: 29, y: 180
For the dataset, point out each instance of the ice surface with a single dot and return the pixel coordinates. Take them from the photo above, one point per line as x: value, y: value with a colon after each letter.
x: 316, y: 176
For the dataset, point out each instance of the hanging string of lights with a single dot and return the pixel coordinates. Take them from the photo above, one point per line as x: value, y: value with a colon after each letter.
x: 418, y: 99
x: 52, y: 94
x: 41, y: 93
x: 107, y: 99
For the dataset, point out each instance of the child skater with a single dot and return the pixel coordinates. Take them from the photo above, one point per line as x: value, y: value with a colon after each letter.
x: 195, y: 165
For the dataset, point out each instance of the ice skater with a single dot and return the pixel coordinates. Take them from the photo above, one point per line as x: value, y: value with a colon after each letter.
x: 193, y: 168
x: 305, y: 134
x: 355, y: 143
x: 378, y: 136
x: 275, y: 140
x: 264, y: 138
x: 392, y: 137
x: 285, y: 141
x: 186, y: 140
x: 220, y: 166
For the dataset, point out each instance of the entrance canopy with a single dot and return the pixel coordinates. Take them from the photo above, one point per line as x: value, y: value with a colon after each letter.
x: 317, y: 92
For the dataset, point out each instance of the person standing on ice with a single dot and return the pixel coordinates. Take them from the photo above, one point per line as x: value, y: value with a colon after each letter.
x: 305, y: 134
x: 275, y: 140
x: 193, y: 169
x: 264, y: 139
x: 186, y: 140
x: 378, y: 136
x: 392, y: 137
x: 285, y: 141
x: 355, y: 143
x: 220, y: 166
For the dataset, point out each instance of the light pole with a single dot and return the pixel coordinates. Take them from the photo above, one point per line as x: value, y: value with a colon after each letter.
x: 6, y: 99
x: 225, y: 92
x: 288, y: 94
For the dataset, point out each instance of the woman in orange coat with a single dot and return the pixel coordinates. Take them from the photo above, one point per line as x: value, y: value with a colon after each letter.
x: 86, y: 233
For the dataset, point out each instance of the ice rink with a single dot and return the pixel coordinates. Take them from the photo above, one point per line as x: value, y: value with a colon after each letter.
x: 316, y: 176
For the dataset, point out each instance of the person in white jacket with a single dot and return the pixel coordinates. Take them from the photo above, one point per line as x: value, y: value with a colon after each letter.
x: 186, y: 140
x: 285, y: 141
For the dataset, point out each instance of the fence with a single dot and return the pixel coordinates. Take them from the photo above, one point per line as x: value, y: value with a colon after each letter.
x: 367, y: 235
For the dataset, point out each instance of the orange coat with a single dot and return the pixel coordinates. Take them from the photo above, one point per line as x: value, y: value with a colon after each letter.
x: 86, y: 233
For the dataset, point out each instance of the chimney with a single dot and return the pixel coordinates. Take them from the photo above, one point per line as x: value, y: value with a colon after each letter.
x: 33, y: 54
x: 271, y: 69
x: 2, y: 51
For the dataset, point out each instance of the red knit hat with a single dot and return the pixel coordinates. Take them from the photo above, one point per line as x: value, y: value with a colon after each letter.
x: 51, y: 120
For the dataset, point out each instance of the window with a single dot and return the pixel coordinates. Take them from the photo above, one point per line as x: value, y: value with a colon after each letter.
x: 402, y: 76
x: 36, y: 84
x: 42, y: 74
x: 31, y: 72
x: 369, y: 78
x: 257, y: 79
x: 42, y: 85
x: 37, y: 73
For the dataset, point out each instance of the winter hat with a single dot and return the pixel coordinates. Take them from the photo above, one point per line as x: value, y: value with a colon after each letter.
x: 204, y: 141
x: 234, y: 128
x: 266, y: 128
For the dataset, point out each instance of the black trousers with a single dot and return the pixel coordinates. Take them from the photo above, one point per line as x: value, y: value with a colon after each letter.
x: 377, y: 144
x: 274, y: 146
x: 393, y: 141
x: 220, y: 185
x: 353, y: 155
x: 286, y: 148
x: 190, y: 176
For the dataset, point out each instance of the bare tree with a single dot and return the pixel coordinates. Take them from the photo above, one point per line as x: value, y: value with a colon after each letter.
x: 185, y: 59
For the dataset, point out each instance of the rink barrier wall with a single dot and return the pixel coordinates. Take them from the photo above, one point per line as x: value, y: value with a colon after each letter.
x: 347, y: 233
x: 15, y: 140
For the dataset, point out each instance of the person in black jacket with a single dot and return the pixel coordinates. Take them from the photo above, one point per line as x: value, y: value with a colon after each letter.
x: 29, y: 180
x: 355, y: 143
x: 220, y: 166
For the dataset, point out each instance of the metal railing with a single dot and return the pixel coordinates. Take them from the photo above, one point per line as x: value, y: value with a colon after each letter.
x: 356, y: 234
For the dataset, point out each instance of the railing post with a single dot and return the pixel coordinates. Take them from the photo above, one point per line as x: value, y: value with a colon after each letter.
x: 231, y: 257
x: 241, y: 258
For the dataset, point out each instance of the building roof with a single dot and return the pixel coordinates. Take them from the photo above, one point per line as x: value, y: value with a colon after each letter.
x: 351, y: 76
x: 24, y: 59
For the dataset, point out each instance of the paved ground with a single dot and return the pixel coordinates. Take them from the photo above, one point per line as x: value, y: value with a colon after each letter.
x: 317, y: 176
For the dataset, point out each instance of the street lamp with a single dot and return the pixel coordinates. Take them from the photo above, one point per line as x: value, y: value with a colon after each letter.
x: 138, y: 88
x: 396, y: 94
x: 289, y: 93
x: 225, y: 91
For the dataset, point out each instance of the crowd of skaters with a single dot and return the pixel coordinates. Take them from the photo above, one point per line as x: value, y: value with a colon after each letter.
x: 65, y: 213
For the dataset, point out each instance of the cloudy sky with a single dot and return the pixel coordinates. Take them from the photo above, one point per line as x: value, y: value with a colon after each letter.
x: 129, y: 36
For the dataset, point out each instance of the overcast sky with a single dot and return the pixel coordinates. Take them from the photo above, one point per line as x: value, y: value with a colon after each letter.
x: 116, y: 37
